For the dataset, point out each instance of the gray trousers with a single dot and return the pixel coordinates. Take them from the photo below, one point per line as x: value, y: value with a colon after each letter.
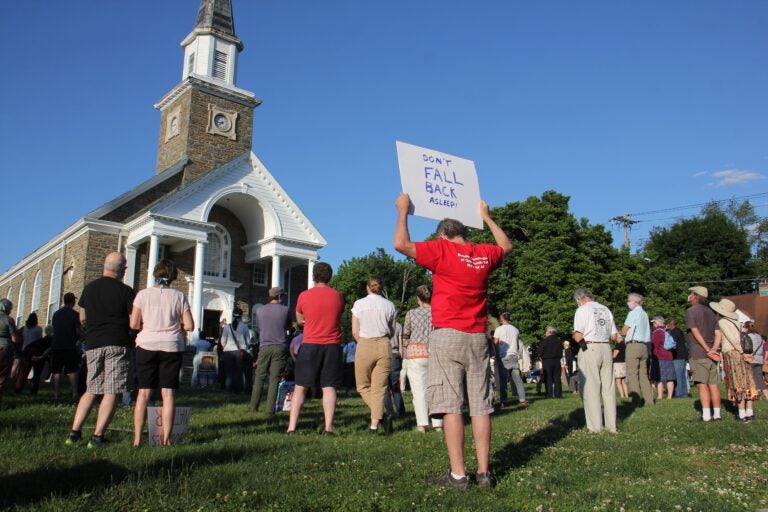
x: 638, y: 385
x: 271, y: 362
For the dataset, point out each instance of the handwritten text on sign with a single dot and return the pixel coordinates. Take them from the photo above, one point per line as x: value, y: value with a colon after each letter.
x: 155, y: 424
x: 440, y: 185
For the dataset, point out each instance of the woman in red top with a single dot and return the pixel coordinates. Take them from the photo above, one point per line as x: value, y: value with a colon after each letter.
x: 663, y: 359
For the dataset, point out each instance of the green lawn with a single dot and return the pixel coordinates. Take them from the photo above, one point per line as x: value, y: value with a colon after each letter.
x: 662, y: 459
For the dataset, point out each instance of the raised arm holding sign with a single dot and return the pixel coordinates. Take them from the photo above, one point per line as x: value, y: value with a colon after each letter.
x: 460, y: 271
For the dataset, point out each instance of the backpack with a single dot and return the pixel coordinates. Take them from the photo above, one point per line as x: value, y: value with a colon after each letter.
x: 747, y: 347
x: 669, y: 341
x: 746, y: 343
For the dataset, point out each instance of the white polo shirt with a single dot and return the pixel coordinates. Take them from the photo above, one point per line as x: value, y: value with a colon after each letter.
x: 595, y: 322
x: 374, y: 313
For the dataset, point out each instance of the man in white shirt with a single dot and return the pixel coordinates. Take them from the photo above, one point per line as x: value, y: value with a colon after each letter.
x: 506, y: 337
x: 593, y: 329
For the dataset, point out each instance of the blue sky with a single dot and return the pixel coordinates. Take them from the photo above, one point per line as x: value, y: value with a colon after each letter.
x: 624, y: 106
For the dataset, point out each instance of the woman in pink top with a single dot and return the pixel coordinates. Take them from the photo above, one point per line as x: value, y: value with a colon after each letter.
x: 161, y: 314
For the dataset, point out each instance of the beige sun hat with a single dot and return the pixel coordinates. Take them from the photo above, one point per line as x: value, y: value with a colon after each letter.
x: 699, y: 290
x: 726, y: 308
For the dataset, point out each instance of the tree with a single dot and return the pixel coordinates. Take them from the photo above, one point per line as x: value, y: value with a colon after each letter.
x: 710, y: 245
x: 553, y: 254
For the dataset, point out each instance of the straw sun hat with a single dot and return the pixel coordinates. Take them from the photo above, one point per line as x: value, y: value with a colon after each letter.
x: 726, y: 308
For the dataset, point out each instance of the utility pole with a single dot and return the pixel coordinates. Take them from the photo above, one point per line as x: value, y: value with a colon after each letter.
x: 626, y: 222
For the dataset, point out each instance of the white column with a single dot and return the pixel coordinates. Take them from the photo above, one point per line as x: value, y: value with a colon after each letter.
x: 154, y: 248
x: 276, y: 272
x: 310, y: 269
x: 197, y: 294
x: 130, y: 271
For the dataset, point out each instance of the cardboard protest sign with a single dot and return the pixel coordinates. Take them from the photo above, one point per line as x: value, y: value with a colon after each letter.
x: 440, y: 185
x: 155, y: 423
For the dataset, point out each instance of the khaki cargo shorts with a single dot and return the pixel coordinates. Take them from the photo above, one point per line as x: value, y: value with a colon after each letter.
x: 704, y: 371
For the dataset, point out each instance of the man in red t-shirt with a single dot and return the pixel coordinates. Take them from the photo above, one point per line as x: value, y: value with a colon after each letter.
x: 319, y: 311
x: 459, y: 350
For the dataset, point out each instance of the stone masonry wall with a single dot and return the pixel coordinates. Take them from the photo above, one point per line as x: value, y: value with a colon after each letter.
x: 208, y: 151
x: 73, y: 257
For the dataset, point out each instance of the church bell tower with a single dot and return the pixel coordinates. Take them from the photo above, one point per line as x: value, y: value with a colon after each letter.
x: 206, y: 118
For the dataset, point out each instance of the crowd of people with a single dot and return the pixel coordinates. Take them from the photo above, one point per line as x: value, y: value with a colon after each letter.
x: 453, y: 362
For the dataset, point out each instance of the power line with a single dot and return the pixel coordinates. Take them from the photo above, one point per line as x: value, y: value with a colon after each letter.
x: 698, y: 205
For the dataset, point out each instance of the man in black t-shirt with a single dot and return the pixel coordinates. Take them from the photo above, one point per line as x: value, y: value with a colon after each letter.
x: 105, y: 311
x: 681, y: 359
x: 65, y: 356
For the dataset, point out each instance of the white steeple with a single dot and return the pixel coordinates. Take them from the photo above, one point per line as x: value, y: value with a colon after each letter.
x: 211, y: 49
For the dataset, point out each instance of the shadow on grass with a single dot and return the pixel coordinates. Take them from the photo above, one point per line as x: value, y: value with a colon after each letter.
x: 36, y: 486
x: 515, y: 455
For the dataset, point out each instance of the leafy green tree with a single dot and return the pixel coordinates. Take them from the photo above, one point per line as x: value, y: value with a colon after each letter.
x: 553, y: 254
x: 712, y: 248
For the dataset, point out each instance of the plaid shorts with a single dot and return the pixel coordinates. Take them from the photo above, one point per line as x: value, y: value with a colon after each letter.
x: 459, y: 366
x: 107, y: 370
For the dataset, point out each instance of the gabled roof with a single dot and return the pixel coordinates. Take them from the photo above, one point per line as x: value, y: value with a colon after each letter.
x: 109, y: 207
x: 245, y: 174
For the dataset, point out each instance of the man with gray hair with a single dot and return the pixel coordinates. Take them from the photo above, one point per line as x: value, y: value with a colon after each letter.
x: 593, y: 329
x: 460, y: 355
x: 105, y: 309
x: 637, y: 336
x: 550, y: 353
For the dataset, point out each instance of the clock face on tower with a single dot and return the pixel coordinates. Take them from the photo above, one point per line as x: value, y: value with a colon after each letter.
x: 222, y: 122
x: 172, y: 123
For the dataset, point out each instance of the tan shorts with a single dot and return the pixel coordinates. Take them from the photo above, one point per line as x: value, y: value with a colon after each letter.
x: 619, y: 370
x: 459, y: 365
x: 704, y: 371
x: 107, y: 370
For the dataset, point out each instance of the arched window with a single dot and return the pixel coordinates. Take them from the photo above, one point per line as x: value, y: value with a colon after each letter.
x: 9, y: 295
x: 36, y: 291
x: 217, y: 253
x: 20, y: 304
x: 54, y: 290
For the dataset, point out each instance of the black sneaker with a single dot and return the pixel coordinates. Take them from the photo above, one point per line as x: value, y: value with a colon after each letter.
x: 446, y: 481
x: 97, y: 442
x: 486, y: 480
x: 73, y: 438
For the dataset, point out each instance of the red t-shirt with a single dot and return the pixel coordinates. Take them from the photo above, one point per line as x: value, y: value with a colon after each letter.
x: 459, y: 281
x: 322, y: 307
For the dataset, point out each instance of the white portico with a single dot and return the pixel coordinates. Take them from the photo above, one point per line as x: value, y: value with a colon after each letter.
x: 277, y: 236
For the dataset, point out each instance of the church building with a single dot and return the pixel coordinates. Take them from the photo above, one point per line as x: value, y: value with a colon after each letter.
x: 212, y: 206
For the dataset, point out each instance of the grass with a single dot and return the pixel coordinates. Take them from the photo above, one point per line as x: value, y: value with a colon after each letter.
x: 662, y: 459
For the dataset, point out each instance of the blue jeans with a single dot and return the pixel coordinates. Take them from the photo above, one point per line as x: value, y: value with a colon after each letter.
x: 681, y: 385
x: 234, y: 371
